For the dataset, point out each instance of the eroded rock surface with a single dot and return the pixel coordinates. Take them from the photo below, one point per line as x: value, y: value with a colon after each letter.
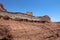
x: 31, y: 30
x: 5, y: 32
x: 2, y: 8
x: 27, y: 27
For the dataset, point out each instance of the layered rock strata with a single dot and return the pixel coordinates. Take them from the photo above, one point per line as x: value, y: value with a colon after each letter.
x: 20, y: 26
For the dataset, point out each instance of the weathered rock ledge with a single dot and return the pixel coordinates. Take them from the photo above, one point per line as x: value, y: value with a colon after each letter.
x: 23, y: 29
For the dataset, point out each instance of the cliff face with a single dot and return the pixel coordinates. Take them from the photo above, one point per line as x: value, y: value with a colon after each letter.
x: 23, y: 29
x: 24, y: 16
x: 2, y: 8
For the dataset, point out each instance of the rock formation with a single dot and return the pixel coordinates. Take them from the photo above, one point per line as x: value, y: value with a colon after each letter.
x: 2, y: 8
x: 27, y: 27
x: 29, y: 13
x: 5, y: 32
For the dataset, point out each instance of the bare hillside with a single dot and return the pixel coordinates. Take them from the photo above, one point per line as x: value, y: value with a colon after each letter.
x: 31, y: 31
x: 27, y: 27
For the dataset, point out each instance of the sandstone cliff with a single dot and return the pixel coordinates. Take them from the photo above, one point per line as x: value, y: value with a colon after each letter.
x: 2, y: 8
x: 23, y: 29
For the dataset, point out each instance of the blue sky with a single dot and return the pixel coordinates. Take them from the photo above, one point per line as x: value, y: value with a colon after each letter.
x: 38, y: 7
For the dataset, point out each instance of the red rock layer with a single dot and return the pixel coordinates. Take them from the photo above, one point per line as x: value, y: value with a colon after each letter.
x: 21, y: 30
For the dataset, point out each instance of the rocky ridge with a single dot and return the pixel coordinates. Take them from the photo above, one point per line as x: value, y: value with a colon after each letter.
x: 22, y: 29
